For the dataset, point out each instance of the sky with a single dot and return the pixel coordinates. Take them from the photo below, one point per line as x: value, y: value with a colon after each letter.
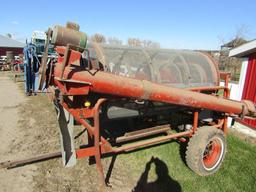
x: 178, y: 24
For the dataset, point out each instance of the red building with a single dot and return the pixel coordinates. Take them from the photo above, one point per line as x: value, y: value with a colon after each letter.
x: 247, y: 82
x: 8, y: 44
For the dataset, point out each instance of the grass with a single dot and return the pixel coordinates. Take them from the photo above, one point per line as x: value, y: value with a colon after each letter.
x: 238, y: 172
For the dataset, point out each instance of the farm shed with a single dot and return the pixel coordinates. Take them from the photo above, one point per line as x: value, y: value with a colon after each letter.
x: 8, y: 44
x: 247, y: 81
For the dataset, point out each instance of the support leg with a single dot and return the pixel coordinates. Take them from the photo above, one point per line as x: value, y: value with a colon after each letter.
x: 66, y: 123
x: 97, y: 144
x: 195, y: 121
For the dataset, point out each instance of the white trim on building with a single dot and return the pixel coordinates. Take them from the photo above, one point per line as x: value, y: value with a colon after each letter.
x: 243, y: 50
x: 242, y: 78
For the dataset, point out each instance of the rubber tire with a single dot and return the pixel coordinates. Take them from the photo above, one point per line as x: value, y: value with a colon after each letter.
x: 196, y: 148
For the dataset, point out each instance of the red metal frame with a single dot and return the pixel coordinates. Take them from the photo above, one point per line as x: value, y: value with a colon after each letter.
x: 80, y: 82
x: 102, y: 146
x: 226, y: 94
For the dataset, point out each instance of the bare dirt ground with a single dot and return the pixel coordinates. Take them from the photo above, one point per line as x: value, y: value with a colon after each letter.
x: 11, y: 99
x: 28, y: 127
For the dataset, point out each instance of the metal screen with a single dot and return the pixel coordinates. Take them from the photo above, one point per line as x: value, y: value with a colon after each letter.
x: 178, y: 68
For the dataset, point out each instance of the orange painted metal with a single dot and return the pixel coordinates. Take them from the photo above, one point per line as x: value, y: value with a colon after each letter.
x: 226, y: 94
x: 214, y: 88
x: 97, y: 141
x: 86, y: 152
x: 153, y: 141
x: 94, y: 131
x: 76, y: 81
x: 225, y: 76
x: 106, y: 83
x: 195, y: 122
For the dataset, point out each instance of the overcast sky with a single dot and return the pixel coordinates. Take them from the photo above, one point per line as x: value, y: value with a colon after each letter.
x: 197, y: 24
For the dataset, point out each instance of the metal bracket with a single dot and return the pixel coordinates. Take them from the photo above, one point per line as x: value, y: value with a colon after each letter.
x: 66, y: 125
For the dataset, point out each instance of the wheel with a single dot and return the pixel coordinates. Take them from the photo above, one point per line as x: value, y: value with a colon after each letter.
x: 206, y: 150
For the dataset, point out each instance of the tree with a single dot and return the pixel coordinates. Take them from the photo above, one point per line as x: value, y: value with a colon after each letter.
x: 150, y: 44
x: 134, y: 42
x: 238, y: 38
x: 231, y: 64
x: 155, y: 45
x: 98, y: 38
x: 114, y: 41
x: 9, y: 35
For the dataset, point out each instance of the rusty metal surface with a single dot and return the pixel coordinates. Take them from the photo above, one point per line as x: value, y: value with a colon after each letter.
x: 153, y: 141
x: 117, y: 85
x: 43, y: 67
x: 97, y: 142
x: 18, y: 163
x: 143, y: 133
x: 62, y: 36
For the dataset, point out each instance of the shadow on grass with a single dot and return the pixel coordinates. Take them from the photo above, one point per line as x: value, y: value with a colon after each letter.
x: 155, y: 160
x: 183, y: 149
x: 111, y: 166
x: 163, y: 183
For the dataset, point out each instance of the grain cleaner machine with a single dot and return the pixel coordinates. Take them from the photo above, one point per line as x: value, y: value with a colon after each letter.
x: 130, y: 98
x: 121, y: 95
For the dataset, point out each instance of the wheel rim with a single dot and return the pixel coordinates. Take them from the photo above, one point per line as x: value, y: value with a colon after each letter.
x: 213, y: 154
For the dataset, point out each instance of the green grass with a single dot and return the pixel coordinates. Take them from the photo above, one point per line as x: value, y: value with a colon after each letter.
x: 238, y: 172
